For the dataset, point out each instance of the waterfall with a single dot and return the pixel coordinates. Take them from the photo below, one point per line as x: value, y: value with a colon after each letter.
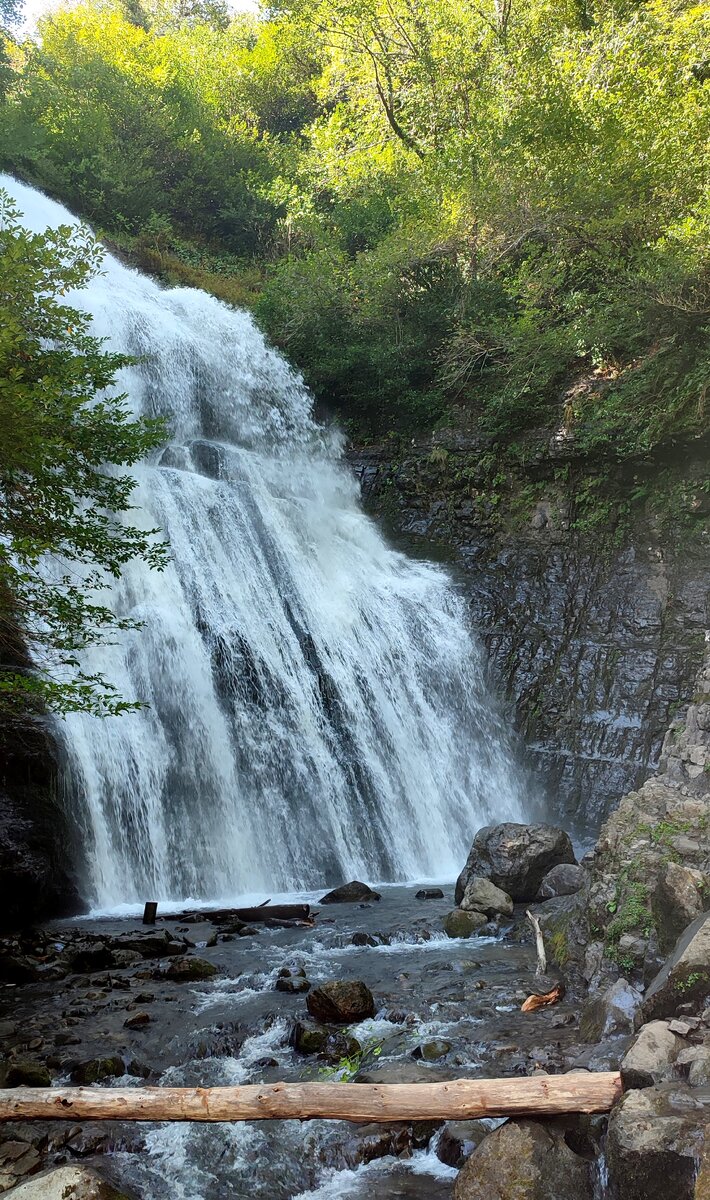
x: 316, y: 705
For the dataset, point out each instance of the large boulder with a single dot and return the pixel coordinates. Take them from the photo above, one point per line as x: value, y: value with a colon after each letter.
x: 341, y: 1002
x: 524, y: 1160
x: 350, y: 893
x: 68, y: 1183
x: 484, y: 897
x: 610, y: 1013
x: 684, y: 979
x: 654, y: 1142
x: 651, y: 1057
x: 515, y: 857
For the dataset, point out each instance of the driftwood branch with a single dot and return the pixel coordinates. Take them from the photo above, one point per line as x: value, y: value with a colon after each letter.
x: 462, y: 1099
x: 539, y: 944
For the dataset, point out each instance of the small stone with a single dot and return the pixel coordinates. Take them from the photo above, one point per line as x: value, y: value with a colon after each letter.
x: 12, y: 1150
x: 682, y: 1028
x: 432, y: 1051
x: 362, y: 939
x: 138, y: 1021
x: 139, y: 1069
x: 189, y: 970
x: 292, y: 985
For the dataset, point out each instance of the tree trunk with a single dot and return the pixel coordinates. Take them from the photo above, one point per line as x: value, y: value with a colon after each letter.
x: 462, y: 1099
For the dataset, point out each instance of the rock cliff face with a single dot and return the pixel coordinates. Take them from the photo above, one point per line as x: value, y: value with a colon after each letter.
x: 595, y: 633
x: 35, y: 858
x: 649, y: 874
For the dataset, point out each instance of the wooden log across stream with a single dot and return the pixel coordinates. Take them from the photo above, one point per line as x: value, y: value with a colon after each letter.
x: 461, y: 1099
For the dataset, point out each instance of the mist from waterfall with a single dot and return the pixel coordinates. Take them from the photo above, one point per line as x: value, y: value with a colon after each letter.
x: 317, y: 707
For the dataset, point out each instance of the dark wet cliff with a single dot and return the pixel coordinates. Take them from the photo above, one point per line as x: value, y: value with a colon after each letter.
x: 592, y: 604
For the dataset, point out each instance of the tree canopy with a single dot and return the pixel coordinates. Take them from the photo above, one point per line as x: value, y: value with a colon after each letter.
x: 499, y: 208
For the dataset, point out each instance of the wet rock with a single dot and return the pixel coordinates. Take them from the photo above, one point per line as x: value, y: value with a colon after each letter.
x: 126, y: 958
x: 86, y: 956
x: 362, y: 939
x: 432, y: 1051
x: 138, y: 1020
x: 429, y: 894
x: 610, y: 1012
x: 403, y: 1071
x: 684, y: 980
x: 28, y: 1162
x: 515, y: 857
x: 189, y: 970
x: 92, y: 1070
x: 341, y: 1002
x: 17, y: 969
x: 461, y: 924
x: 365, y: 1144
x: 524, y: 1160
x: 327, y: 1043
x: 350, y: 893
x: 24, y: 1072
x: 149, y: 945
x: 655, y: 1138
x: 566, y: 879
x: 293, y: 984
x: 458, y: 1140
x: 651, y: 1057
x: 139, y: 1070
x: 483, y: 896
x: 69, y: 1183
x: 678, y: 900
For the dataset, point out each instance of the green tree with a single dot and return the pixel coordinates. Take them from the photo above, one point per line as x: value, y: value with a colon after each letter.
x: 66, y: 434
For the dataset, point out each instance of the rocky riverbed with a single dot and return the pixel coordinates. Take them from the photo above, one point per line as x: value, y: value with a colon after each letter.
x: 104, y: 1001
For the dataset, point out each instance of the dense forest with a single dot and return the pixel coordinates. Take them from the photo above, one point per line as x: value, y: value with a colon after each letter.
x: 498, y: 208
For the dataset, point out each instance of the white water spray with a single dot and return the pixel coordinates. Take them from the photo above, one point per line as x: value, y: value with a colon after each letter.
x: 317, y: 706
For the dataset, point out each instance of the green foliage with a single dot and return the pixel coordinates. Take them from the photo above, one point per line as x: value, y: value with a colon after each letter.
x: 496, y: 209
x: 345, y: 1070
x: 631, y: 914
x: 66, y: 434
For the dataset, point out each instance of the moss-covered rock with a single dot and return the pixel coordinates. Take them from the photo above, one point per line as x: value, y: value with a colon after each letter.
x: 93, y: 1070
x: 461, y: 924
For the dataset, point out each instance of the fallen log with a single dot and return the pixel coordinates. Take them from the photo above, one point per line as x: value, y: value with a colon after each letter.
x: 461, y: 1099
x: 250, y: 916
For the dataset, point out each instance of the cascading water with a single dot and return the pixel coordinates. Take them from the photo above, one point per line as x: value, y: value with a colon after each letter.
x: 316, y: 704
